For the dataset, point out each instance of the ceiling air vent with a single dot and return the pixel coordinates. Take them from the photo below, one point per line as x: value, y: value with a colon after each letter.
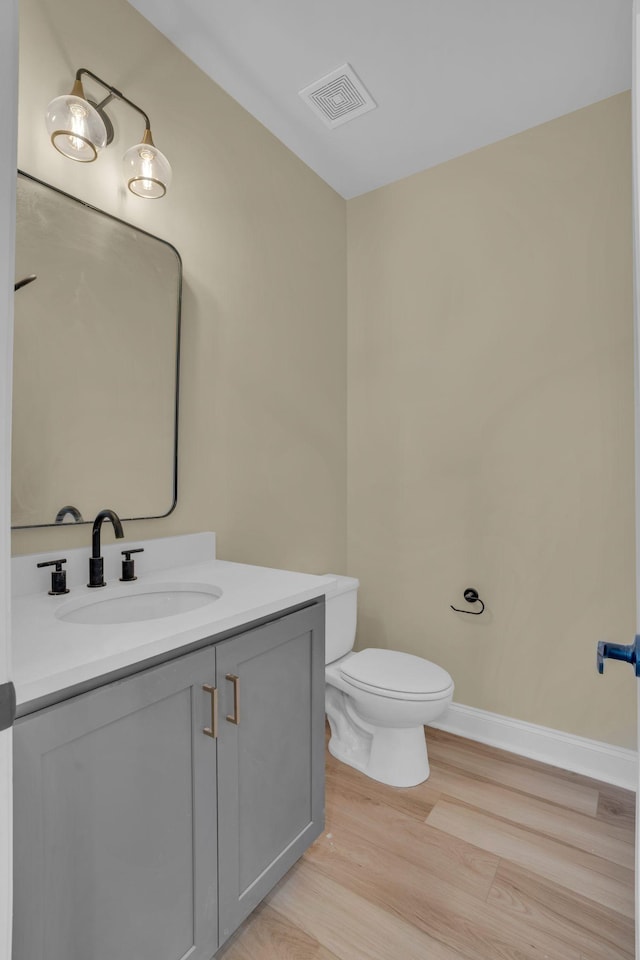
x: 338, y: 97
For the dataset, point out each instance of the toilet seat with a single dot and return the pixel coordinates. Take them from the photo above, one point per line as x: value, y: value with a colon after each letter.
x: 398, y: 676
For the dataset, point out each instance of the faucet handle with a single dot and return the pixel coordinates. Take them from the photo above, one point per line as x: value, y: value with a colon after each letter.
x: 128, y: 571
x: 58, y: 576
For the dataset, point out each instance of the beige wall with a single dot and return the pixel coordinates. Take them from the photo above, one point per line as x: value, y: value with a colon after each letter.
x: 490, y: 419
x: 489, y: 363
x: 263, y: 243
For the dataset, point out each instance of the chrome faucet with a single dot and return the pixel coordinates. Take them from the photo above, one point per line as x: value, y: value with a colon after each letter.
x: 96, y: 563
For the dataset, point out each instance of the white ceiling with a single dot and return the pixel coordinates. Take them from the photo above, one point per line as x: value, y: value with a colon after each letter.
x: 448, y: 76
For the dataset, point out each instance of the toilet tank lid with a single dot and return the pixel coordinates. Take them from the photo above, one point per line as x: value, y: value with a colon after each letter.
x: 336, y: 584
x: 395, y: 671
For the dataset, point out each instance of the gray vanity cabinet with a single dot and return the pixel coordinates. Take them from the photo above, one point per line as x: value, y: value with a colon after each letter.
x: 138, y: 836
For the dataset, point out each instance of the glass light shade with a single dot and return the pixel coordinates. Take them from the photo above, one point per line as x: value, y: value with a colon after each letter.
x: 76, y: 128
x: 147, y: 170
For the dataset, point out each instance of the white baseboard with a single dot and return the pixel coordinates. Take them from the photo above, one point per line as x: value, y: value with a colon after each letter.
x: 602, y: 761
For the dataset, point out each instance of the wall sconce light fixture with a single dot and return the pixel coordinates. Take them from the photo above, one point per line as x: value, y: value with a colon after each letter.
x: 80, y: 128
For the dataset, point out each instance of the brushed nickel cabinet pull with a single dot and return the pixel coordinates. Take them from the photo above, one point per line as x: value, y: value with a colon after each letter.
x: 212, y: 731
x: 235, y: 716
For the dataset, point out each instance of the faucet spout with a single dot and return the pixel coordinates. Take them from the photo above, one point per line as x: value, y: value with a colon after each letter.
x: 96, y: 563
x: 72, y: 511
x: 97, y: 527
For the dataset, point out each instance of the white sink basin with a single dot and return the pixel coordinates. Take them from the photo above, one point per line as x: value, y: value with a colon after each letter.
x: 139, y: 602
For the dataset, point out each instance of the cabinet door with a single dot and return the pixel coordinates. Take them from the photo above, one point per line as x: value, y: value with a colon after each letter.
x: 271, y: 763
x: 115, y: 821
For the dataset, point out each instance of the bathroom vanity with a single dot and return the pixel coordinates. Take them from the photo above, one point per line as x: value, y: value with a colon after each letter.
x: 168, y: 781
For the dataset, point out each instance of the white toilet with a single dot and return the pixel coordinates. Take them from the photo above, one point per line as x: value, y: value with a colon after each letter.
x: 377, y: 701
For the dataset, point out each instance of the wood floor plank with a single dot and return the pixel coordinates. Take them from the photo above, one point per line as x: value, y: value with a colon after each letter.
x: 597, y: 878
x: 611, y: 841
x: 268, y: 935
x: 595, y: 930
x: 414, y: 801
x: 477, y: 930
x: 518, y: 760
x: 617, y: 806
x: 544, y: 785
x: 348, y: 925
x: 350, y: 815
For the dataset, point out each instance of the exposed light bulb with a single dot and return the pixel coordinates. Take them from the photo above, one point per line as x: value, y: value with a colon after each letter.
x: 75, y: 127
x: 78, y: 116
x: 147, y: 170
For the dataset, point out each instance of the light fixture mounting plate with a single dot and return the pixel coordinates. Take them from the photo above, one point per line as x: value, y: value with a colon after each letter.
x: 105, y: 119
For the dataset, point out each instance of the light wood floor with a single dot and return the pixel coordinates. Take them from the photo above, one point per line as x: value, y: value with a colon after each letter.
x: 493, y: 858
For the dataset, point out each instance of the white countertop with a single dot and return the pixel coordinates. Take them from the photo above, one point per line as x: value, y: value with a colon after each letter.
x: 50, y: 654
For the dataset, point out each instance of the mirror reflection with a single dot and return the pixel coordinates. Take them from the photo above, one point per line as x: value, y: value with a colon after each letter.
x: 96, y: 349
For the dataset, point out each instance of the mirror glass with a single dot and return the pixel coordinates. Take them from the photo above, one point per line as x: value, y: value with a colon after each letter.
x: 96, y: 355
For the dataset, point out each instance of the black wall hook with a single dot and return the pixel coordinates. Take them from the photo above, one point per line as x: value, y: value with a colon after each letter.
x: 471, y: 596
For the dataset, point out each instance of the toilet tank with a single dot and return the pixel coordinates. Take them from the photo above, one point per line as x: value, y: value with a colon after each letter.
x: 341, y: 613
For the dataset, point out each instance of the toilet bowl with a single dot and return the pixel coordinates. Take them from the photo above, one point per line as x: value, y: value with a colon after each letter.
x: 377, y: 701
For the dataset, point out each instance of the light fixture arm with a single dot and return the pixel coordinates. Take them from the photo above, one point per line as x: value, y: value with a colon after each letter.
x: 113, y: 94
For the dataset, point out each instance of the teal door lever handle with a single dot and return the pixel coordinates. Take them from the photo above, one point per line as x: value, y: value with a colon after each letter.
x: 619, y: 651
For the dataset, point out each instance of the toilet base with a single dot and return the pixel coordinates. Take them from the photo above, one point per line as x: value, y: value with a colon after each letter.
x: 395, y: 757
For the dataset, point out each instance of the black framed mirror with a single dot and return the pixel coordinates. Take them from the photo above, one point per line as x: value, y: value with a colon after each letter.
x: 96, y: 363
